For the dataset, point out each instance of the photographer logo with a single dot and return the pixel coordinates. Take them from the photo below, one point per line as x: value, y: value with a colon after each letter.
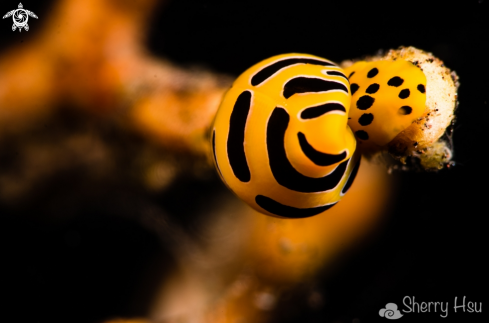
x: 390, y: 312
x: 20, y: 17
x: 411, y: 305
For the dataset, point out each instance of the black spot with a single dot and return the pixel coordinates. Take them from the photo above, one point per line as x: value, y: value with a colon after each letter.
x: 354, y: 87
x: 306, y: 84
x: 404, y: 94
x: 286, y: 211
x: 366, y: 119
x: 285, y: 174
x: 214, y: 150
x: 372, y: 88
x: 317, y: 157
x: 268, y: 71
x: 421, y: 88
x: 314, y: 112
x: 365, y: 102
x: 351, y: 178
x: 351, y: 74
x: 337, y: 73
x: 395, y: 81
x: 405, y: 110
x: 374, y: 71
x: 361, y: 134
x: 235, y: 144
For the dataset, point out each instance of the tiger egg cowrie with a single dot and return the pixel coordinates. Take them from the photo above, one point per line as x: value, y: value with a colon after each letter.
x: 281, y: 139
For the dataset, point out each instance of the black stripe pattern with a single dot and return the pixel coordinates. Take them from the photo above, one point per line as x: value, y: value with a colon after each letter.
x: 351, y: 178
x: 235, y: 144
x: 317, y: 111
x: 308, y: 84
x: 337, y: 73
x: 317, y: 157
x: 268, y: 71
x: 251, y: 127
x: 283, y: 171
x: 274, y: 207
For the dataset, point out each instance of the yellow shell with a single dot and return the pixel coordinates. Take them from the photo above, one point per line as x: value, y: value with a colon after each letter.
x: 281, y: 139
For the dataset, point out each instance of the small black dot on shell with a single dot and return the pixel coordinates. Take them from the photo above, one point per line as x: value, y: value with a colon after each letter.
x: 395, y: 81
x: 404, y: 94
x: 354, y: 87
x: 365, y: 102
x: 374, y: 71
x: 372, y: 88
x: 405, y: 110
x: 421, y: 88
x: 366, y: 119
x: 361, y: 134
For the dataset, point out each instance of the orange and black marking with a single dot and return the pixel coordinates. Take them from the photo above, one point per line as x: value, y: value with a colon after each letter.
x: 387, y: 96
x: 281, y: 140
x: 284, y: 137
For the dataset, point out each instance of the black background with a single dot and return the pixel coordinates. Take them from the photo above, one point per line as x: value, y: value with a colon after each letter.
x: 432, y: 245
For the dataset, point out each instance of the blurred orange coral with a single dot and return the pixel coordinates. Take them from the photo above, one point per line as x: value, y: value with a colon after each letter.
x: 90, y: 55
x: 280, y: 254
